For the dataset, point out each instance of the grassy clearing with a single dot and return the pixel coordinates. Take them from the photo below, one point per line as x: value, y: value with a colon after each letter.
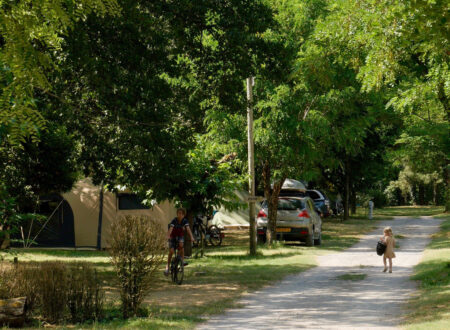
x: 339, y: 235
x: 411, y: 211
x: 352, y: 277
x: 430, y: 309
x: 213, y: 283
x: 363, y: 214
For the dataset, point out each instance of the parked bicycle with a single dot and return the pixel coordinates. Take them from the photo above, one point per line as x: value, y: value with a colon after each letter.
x: 204, y: 233
x: 176, y: 266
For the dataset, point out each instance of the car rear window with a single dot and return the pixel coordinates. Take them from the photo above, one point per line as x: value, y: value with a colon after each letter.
x: 292, y: 193
x: 286, y: 204
x: 313, y: 194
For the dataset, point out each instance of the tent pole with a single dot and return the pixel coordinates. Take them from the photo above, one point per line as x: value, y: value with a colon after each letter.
x: 100, y: 220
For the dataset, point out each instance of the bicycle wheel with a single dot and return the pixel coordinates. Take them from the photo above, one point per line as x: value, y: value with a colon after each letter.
x: 178, y: 271
x: 215, y: 235
x: 197, y: 234
x: 174, y: 270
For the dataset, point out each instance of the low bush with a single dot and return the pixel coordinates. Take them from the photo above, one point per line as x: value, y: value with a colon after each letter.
x: 137, y: 249
x: 6, y: 280
x: 54, y: 291
x: 85, y: 295
x: 20, y: 280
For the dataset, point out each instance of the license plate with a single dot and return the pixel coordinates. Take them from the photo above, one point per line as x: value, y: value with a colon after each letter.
x: 283, y: 230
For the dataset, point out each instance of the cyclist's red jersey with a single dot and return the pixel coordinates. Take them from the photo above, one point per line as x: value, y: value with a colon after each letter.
x: 178, y: 227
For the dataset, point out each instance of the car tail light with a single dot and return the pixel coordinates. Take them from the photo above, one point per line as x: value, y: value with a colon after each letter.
x: 304, y: 232
x: 303, y: 214
x: 262, y: 214
x: 261, y: 232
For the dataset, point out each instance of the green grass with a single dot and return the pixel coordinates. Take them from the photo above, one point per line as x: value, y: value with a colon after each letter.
x: 226, y: 272
x: 216, y: 282
x: 430, y: 309
x: 411, y: 211
x: 352, y: 277
x: 363, y: 214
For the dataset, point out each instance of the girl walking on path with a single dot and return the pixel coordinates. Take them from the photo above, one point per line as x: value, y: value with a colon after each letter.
x: 389, y: 240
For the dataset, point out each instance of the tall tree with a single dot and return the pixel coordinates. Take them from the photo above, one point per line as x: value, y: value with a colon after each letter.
x: 31, y: 34
x: 401, y: 46
x: 282, y: 119
x: 134, y: 89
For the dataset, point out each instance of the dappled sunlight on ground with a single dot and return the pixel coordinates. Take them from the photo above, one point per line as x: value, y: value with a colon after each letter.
x: 319, y: 298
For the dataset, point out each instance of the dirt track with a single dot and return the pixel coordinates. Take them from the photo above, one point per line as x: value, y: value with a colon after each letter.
x: 317, y: 299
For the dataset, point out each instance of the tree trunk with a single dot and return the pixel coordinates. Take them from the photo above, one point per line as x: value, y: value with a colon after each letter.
x: 272, y: 222
x: 271, y: 195
x: 421, y: 194
x: 12, y: 312
x: 347, y: 190
x: 447, y: 188
x: 413, y: 195
x: 442, y: 96
x: 187, y: 238
x: 5, y: 239
x: 352, y: 201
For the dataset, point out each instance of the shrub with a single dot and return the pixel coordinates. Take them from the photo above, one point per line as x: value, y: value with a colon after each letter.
x: 379, y: 198
x: 85, y: 295
x: 137, y: 248
x: 25, y: 284
x: 53, y: 290
x: 20, y: 281
x: 6, y: 280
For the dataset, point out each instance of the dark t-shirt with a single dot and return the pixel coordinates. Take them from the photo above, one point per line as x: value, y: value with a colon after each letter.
x: 178, y: 227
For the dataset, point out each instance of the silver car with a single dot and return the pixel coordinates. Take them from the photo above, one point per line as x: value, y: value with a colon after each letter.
x: 297, y: 220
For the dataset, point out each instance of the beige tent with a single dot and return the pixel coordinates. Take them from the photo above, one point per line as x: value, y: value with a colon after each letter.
x: 84, y: 202
x: 240, y: 217
x: 235, y: 218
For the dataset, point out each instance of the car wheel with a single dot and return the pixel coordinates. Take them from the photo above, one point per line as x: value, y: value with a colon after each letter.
x: 318, y: 241
x: 310, y: 239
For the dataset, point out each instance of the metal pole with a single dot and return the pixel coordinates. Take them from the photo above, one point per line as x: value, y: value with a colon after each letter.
x: 251, y: 166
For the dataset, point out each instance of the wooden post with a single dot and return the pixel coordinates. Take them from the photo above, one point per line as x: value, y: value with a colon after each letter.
x: 12, y: 312
x: 251, y: 166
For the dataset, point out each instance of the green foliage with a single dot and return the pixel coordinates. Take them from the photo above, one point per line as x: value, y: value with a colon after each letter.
x: 399, y: 48
x: 207, y: 183
x: 30, y: 47
x: 137, y: 249
x: 9, y: 217
x: 133, y: 90
x: 35, y: 169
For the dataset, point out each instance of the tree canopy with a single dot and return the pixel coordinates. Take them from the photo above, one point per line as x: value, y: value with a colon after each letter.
x: 350, y: 95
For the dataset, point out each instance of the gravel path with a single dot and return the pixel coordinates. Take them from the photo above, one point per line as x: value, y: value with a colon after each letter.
x: 316, y: 299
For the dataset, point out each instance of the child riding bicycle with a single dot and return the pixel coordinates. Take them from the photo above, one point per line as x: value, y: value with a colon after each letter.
x: 176, y: 234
